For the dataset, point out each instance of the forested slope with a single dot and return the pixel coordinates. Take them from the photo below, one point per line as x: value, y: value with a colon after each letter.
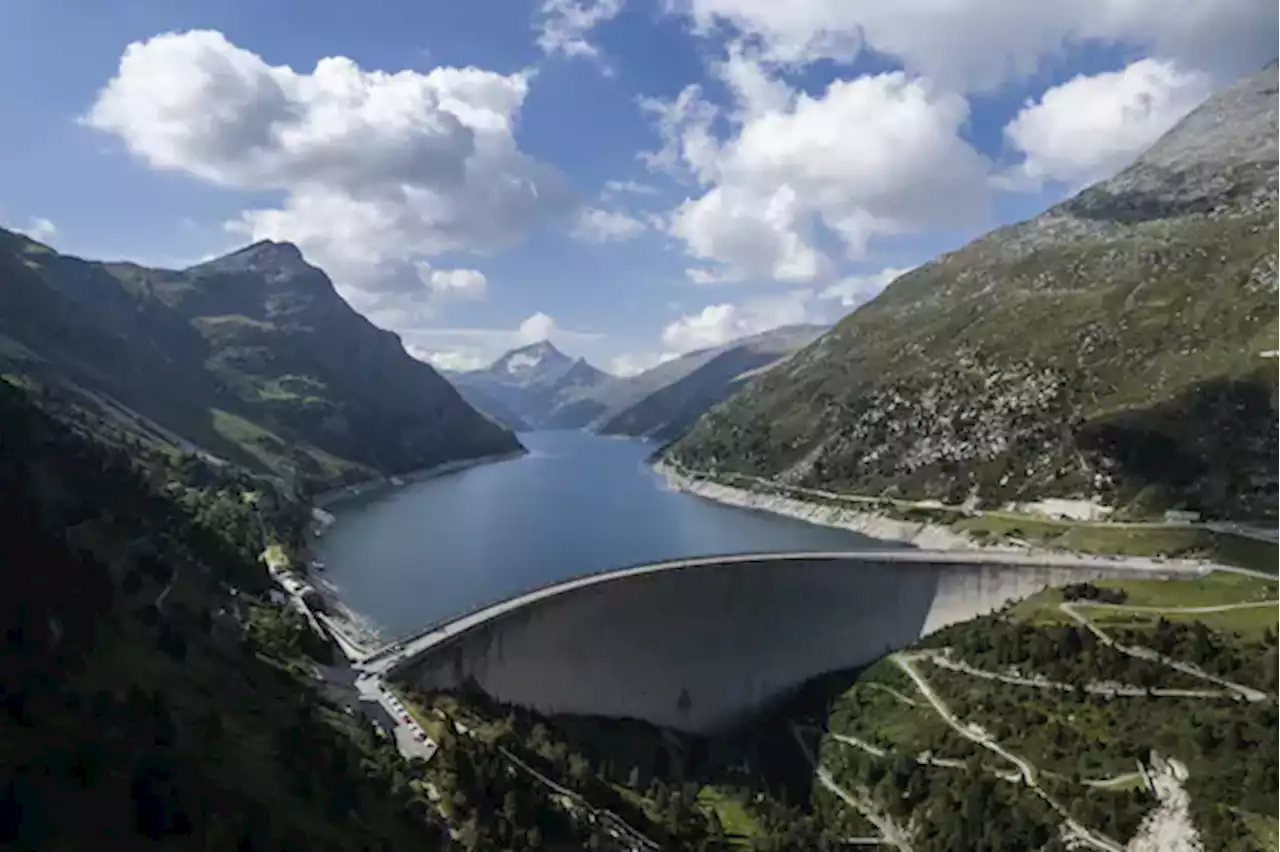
x: 139, y: 707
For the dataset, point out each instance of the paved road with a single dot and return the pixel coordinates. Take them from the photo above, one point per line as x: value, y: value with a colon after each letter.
x: 1246, y: 692
x: 975, y: 734
x: 404, y: 733
x: 893, y: 834
x: 1097, y: 688
x: 1270, y: 534
x: 1188, y: 610
x: 616, y: 825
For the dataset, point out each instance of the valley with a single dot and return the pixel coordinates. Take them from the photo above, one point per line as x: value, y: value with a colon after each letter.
x: 539, y: 387
x: 988, y: 564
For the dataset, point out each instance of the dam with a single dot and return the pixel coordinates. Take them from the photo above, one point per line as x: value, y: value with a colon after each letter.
x: 699, y: 645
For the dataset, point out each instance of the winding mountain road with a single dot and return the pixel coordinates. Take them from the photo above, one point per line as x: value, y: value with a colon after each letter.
x: 1095, y: 688
x: 1027, y: 770
x: 1246, y: 692
x: 894, y: 835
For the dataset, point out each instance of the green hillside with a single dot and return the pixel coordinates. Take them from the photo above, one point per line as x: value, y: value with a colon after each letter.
x: 145, y: 705
x: 252, y: 357
x: 1111, y: 348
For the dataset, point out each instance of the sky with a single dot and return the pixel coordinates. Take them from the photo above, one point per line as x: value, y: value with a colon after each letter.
x: 630, y: 179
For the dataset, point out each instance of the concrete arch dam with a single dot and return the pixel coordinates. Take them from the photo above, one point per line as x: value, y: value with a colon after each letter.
x: 700, y: 644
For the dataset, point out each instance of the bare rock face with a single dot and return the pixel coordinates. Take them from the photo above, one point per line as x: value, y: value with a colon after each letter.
x: 1109, y: 349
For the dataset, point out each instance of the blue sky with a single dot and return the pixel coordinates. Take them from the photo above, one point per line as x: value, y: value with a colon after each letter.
x: 630, y: 178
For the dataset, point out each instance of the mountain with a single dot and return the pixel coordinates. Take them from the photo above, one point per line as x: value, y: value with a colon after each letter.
x: 1112, y: 348
x: 481, y: 400
x: 538, y: 363
x: 703, y: 380
x: 591, y: 408
x: 525, y: 386
x: 141, y: 692
x: 600, y: 405
x: 252, y: 357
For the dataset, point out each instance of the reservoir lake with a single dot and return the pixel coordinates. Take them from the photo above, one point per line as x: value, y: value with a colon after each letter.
x: 576, y: 504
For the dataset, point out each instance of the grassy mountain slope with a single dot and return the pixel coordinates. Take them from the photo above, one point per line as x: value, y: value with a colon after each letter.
x: 253, y: 357
x: 669, y: 410
x: 1110, y: 347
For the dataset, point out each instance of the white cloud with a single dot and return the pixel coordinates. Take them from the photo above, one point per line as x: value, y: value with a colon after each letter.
x: 634, y: 363
x: 458, y: 360
x: 982, y: 43
x: 563, y: 25
x: 595, y: 225
x: 632, y: 187
x: 485, y: 345
x: 536, y: 328
x: 854, y: 290
x: 875, y: 155
x: 1090, y: 127
x: 376, y: 168
x: 720, y: 323
x: 452, y: 283
x: 39, y: 229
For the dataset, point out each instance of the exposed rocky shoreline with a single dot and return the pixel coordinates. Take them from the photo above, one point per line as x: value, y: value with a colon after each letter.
x: 919, y: 534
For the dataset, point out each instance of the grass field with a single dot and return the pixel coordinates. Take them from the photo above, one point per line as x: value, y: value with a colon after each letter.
x: 731, y: 812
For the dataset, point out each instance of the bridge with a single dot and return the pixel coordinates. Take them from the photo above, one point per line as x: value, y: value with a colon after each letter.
x: 700, y: 644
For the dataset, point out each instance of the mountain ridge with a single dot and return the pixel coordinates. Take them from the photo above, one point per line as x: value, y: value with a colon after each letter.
x: 668, y: 411
x: 252, y: 356
x: 1106, y: 349
x: 524, y: 386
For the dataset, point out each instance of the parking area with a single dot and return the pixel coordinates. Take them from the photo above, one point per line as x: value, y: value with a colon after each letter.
x: 410, y: 738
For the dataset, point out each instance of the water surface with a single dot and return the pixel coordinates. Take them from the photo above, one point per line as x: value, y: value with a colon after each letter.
x: 576, y: 504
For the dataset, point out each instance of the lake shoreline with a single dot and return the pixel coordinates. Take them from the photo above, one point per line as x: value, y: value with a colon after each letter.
x: 360, y: 628
x: 918, y: 534
x: 335, y: 496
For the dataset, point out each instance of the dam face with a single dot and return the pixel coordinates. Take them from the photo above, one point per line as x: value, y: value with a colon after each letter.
x: 703, y: 645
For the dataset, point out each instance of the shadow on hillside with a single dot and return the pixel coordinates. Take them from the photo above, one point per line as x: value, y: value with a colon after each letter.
x: 1212, y: 448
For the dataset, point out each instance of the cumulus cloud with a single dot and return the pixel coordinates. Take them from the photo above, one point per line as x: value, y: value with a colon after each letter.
x: 875, y: 155
x: 376, y: 168
x: 452, y: 283
x: 628, y: 187
x: 982, y: 43
x: 455, y: 360
x: 485, y: 345
x: 854, y: 290
x: 564, y: 25
x: 40, y: 229
x: 536, y: 328
x: 720, y: 323
x: 1091, y: 126
x: 635, y: 363
x: 595, y: 225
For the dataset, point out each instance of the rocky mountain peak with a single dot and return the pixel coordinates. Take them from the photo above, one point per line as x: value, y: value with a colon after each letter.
x: 535, y: 358
x: 265, y: 257
x: 1219, y: 159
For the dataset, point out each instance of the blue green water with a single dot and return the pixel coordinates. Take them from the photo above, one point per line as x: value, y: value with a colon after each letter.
x: 576, y: 504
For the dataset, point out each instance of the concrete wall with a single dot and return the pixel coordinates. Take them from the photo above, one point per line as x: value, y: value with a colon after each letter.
x: 700, y: 646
